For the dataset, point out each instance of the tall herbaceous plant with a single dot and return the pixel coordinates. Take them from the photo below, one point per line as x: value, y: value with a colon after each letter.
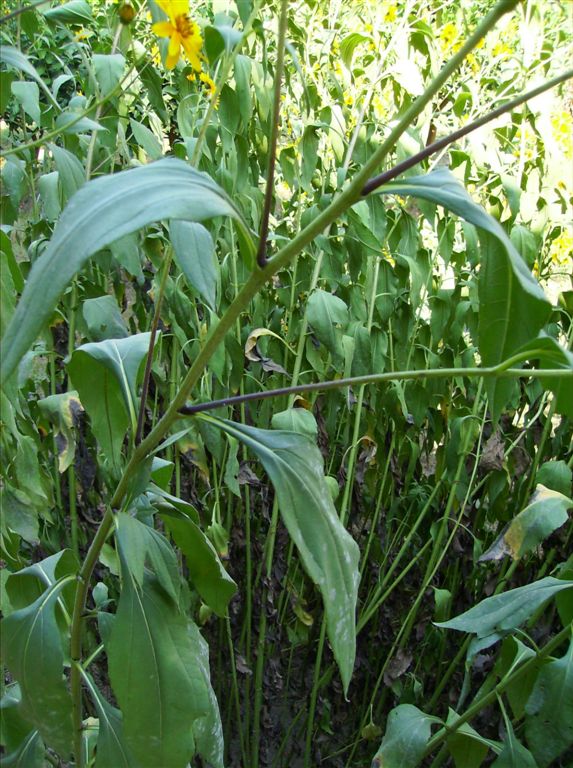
x: 287, y: 383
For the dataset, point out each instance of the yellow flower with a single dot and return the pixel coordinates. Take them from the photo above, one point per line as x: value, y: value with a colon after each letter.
x: 182, y: 32
x: 208, y: 85
x: 562, y: 129
x: 390, y: 14
x: 562, y: 249
x: 448, y: 35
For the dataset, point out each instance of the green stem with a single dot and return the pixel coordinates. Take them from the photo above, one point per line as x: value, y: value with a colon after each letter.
x: 488, y: 698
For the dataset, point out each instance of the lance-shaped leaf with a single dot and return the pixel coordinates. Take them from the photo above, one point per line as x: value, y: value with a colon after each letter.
x: 546, y: 512
x: 101, y: 212
x: 549, y: 709
x: 513, y: 307
x: 206, y: 571
x: 112, y: 751
x: 15, y: 59
x: 328, y: 552
x: 408, y: 731
x: 195, y: 255
x: 105, y: 375
x: 507, y: 611
x: 325, y: 312
x: 154, y: 674
x: 32, y: 651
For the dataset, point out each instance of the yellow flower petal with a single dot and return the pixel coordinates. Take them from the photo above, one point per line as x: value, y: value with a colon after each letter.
x: 173, y: 51
x: 163, y: 29
x: 192, y: 51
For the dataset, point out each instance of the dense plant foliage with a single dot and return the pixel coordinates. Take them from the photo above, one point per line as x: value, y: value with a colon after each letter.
x: 286, y: 445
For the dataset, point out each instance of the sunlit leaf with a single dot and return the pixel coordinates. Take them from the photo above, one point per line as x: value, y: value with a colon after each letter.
x: 546, y: 512
x: 102, y: 211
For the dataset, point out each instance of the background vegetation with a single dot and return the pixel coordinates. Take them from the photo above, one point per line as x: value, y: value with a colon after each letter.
x: 286, y: 581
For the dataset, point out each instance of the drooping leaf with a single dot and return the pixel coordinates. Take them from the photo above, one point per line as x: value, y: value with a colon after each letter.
x: 105, y: 375
x: 546, y: 512
x: 554, y: 356
x: 102, y: 211
x: 507, y: 611
x: 154, y: 674
x: 549, y: 710
x: 32, y: 651
x: 140, y: 542
x: 513, y: 307
x: 28, y: 95
x: 146, y: 139
x: 112, y: 751
x: 328, y: 552
x: 63, y: 411
x: 206, y: 571
x: 408, y: 731
x: 195, y: 255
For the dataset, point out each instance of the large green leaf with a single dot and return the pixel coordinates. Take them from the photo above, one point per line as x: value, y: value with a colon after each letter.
x: 408, y: 731
x: 546, y: 512
x: 513, y: 307
x: 206, y: 571
x: 549, y: 710
x: 112, y: 751
x: 155, y: 675
x: 32, y: 651
x: 30, y: 753
x: 14, y: 59
x: 99, y: 213
x: 328, y: 552
x: 72, y: 12
x: 105, y: 376
x: 506, y: 611
x: 554, y: 356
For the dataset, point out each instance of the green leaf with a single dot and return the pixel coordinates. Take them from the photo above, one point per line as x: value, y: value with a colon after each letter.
x: 28, y: 96
x: 513, y: 307
x: 507, y: 611
x: 14, y: 59
x: 147, y: 140
x: 72, y: 173
x: 513, y: 754
x: 103, y: 211
x: 408, y: 731
x: 112, y: 751
x: 348, y: 45
x: 155, y: 675
x: 73, y: 12
x: 63, y: 411
x: 552, y: 355
x: 103, y: 319
x: 14, y: 728
x: 328, y: 552
x: 194, y: 252
x: 108, y: 70
x: 555, y: 475
x: 549, y: 710
x: 49, y: 189
x: 30, y: 753
x: 324, y: 313
x: 465, y: 745
x: 140, y: 542
x: 105, y: 374
x: 32, y: 651
x: 206, y: 571
x: 207, y: 730
x: 546, y: 512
